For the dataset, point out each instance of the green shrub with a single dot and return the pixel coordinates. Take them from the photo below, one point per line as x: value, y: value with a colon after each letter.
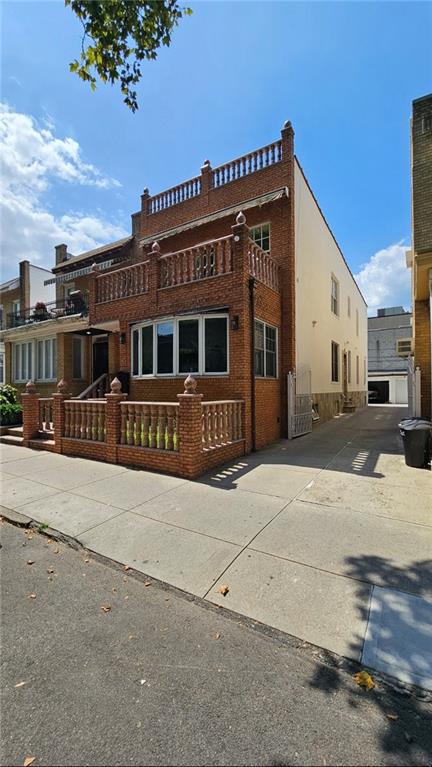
x: 10, y: 413
x: 9, y: 394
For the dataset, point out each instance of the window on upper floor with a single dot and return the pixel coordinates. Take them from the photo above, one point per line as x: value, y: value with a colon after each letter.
x: 265, y: 351
x: 261, y: 235
x: 181, y: 345
x: 334, y: 362
x: 334, y: 295
x: 349, y: 306
x: 15, y: 307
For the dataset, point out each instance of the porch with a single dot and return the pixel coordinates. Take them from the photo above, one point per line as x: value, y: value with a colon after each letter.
x: 184, y: 438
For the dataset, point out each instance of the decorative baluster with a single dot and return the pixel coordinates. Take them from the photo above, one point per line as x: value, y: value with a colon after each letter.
x: 226, y: 421
x: 136, y: 434
x: 221, y: 422
x: 205, y: 425
x: 146, y: 423
x: 162, y: 424
x: 130, y: 424
x: 153, y: 426
x: 123, y: 425
x: 170, y: 427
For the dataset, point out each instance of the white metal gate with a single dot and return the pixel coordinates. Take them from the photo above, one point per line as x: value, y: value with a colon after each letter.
x: 414, y: 406
x: 299, y: 401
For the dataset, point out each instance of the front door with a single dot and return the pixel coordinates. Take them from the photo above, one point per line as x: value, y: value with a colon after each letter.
x: 100, y: 358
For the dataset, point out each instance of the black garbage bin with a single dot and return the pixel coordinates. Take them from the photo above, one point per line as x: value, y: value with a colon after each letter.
x: 416, y: 436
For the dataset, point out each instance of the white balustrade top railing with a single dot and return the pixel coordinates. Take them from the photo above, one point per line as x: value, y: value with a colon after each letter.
x: 208, y: 259
x: 122, y: 283
x: 173, y: 196
x: 262, y: 266
x: 249, y: 163
x: 221, y: 423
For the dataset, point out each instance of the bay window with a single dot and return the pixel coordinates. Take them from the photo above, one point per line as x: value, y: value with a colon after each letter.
x: 179, y: 346
x: 265, y: 351
x: 35, y: 359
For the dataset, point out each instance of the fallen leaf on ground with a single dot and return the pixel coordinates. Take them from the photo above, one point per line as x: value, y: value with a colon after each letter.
x: 56, y: 551
x: 86, y: 561
x: 393, y: 717
x: 132, y: 636
x: 50, y: 540
x: 20, y: 684
x: 113, y: 589
x: 217, y: 636
x: 106, y: 608
x: 28, y: 761
x: 148, y: 583
x: 32, y: 595
x: 223, y: 590
x: 50, y: 569
x: 30, y: 561
x: 126, y: 597
x: 126, y: 568
x: 364, y: 679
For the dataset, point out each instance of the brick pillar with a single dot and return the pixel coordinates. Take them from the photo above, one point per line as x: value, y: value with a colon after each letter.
x: 59, y: 397
x: 24, y: 273
x: 144, y: 210
x: 113, y: 420
x: 206, y: 179
x: 240, y: 232
x: 190, y: 429
x: 30, y: 404
x: 92, y: 290
x: 153, y: 278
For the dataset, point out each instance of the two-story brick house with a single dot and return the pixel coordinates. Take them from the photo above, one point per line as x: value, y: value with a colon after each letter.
x: 234, y: 277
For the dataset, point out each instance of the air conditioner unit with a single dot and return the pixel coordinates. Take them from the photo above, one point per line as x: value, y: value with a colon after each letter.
x: 404, y: 347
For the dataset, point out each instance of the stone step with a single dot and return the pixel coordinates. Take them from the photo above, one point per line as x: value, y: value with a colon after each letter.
x: 15, y: 431
x: 10, y: 439
x: 42, y: 444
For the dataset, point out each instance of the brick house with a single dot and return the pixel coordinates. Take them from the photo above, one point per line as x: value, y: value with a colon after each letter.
x: 233, y: 277
x: 419, y: 258
x: 16, y: 294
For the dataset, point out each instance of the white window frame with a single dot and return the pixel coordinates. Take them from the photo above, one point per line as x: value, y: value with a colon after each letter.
x: 201, y: 318
x: 2, y: 367
x: 82, y: 365
x: 273, y: 327
x: 26, y: 375
x: 51, y: 368
x: 335, y: 380
x: 16, y: 308
x: 255, y: 229
x: 335, y: 300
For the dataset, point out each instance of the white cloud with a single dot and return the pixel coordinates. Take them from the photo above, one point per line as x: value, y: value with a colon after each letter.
x: 385, y: 280
x: 34, y: 159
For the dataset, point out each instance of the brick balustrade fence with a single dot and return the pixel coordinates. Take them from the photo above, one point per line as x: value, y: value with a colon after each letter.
x: 185, y: 438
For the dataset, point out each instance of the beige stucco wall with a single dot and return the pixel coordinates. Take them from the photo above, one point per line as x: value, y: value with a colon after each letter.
x: 317, y: 259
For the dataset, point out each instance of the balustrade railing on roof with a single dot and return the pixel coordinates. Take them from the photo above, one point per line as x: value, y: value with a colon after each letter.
x: 249, y: 163
x: 122, y: 283
x: 173, y: 196
x: 209, y: 259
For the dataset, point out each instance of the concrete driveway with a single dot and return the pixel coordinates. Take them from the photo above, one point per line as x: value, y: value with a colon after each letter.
x: 328, y: 537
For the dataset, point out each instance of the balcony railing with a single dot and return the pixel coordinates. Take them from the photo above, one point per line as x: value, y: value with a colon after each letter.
x: 209, y: 259
x: 122, y: 283
x: 262, y: 266
x: 76, y: 303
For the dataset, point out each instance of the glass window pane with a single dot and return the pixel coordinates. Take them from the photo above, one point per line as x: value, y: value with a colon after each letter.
x: 47, y: 359
x: 259, y: 348
x: 270, y: 335
x: 165, y: 346
x: 147, y: 350
x: 54, y: 358
x: 40, y: 359
x: 16, y: 362
x: 216, y: 351
x: 135, y: 344
x: 76, y: 358
x: 29, y: 360
x: 188, y: 346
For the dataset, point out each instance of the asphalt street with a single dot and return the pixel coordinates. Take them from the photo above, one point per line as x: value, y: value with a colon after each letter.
x: 102, y: 666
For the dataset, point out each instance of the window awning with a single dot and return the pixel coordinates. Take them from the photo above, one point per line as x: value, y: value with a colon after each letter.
x: 69, y: 276
x: 231, y: 211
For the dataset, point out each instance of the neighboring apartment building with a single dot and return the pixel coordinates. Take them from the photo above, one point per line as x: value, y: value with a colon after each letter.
x: 389, y: 346
x: 16, y: 297
x: 233, y: 276
x: 419, y: 258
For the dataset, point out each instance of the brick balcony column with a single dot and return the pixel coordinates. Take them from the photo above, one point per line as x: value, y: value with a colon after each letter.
x: 154, y: 268
x: 240, y: 232
x: 144, y: 210
x: 206, y: 179
x: 30, y: 405
x: 190, y: 429
x: 59, y: 397
x: 113, y: 420
x: 92, y: 289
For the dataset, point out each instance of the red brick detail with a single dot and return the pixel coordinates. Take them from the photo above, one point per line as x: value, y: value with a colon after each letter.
x: 59, y: 419
x: 30, y: 404
x: 190, y: 433
x: 113, y: 425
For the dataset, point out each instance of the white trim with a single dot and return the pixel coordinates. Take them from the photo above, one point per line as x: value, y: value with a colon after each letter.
x: 201, y: 318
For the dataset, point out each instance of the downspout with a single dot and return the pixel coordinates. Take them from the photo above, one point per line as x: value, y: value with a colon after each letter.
x: 252, y: 358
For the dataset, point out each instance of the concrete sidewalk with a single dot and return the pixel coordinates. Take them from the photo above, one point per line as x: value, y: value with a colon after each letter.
x: 328, y: 537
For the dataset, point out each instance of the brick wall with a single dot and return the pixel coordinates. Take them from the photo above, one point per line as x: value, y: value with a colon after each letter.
x: 421, y: 159
x: 422, y: 334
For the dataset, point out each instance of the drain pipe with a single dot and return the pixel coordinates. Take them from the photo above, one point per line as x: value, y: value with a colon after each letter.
x: 252, y: 358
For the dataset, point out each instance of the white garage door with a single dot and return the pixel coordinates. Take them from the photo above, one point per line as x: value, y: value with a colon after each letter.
x: 401, y: 391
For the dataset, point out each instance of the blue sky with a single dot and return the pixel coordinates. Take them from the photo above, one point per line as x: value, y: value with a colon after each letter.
x: 344, y: 73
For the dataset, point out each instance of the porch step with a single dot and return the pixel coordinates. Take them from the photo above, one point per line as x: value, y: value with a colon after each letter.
x: 15, y: 431
x: 11, y: 439
x: 42, y: 444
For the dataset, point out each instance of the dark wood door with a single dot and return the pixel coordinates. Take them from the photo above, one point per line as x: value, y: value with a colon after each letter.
x: 100, y: 359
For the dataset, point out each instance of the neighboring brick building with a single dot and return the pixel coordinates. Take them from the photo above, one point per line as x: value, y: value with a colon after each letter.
x: 233, y: 276
x: 389, y: 346
x: 15, y: 294
x: 419, y: 258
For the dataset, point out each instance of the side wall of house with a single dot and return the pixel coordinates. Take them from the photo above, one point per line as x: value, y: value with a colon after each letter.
x: 318, y: 258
